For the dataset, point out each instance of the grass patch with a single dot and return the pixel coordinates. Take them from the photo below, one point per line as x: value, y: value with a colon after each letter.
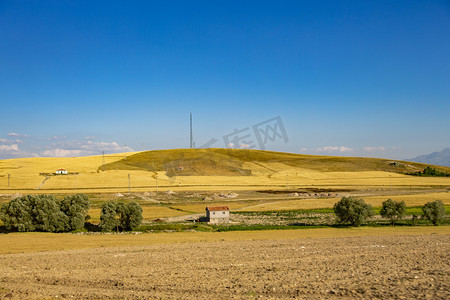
x: 175, y: 227
x: 284, y: 212
x: 244, y: 227
x: 203, y: 227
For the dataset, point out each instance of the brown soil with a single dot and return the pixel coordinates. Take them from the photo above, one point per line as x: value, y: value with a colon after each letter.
x: 359, y: 267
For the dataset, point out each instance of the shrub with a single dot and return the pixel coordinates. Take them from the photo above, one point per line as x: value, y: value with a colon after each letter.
x: 393, y: 210
x: 352, y: 210
x: 434, y: 211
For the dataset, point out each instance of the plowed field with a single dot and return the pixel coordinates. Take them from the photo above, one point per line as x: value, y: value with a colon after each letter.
x: 399, y: 266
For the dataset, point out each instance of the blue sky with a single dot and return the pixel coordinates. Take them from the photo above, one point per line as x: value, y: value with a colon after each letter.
x: 354, y: 78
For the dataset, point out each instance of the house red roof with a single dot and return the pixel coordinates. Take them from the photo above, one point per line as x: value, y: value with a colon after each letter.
x: 217, y: 208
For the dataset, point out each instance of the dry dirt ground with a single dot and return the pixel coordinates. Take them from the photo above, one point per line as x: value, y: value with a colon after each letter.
x: 357, y: 267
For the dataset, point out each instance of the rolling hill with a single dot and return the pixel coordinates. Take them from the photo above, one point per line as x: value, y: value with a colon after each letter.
x: 242, y: 162
x: 205, y: 169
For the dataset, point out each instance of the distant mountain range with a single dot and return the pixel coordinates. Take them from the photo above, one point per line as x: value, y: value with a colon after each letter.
x: 441, y: 158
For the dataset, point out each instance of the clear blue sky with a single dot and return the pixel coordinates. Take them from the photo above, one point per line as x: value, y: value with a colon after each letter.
x: 356, y: 78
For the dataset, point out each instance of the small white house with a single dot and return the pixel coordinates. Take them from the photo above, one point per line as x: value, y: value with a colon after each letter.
x: 218, y: 214
x: 61, y: 172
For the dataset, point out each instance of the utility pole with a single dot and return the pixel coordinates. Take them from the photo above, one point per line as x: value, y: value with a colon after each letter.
x: 9, y: 175
x: 191, y: 140
x: 129, y: 183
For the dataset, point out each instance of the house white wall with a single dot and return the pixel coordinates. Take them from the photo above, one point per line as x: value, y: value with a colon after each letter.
x: 218, y: 216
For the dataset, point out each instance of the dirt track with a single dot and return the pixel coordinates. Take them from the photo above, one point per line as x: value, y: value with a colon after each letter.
x: 360, y: 267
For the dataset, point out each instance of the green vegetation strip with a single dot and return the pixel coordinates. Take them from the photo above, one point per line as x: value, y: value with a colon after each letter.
x: 410, y: 210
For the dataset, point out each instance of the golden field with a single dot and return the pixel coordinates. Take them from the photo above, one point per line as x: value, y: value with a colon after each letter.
x: 205, y: 169
x: 39, y: 242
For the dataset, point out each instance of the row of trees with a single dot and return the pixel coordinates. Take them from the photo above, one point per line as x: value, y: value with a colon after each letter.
x: 47, y: 213
x: 430, y: 172
x: 356, y: 211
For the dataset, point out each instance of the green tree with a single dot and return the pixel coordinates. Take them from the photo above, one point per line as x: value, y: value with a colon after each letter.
x: 393, y: 210
x: 109, y: 218
x: 34, y: 212
x: 352, y: 210
x: 118, y: 214
x: 47, y: 215
x: 76, y: 208
x: 430, y: 171
x: 434, y: 211
x: 17, y: 214
x: 130, y: 215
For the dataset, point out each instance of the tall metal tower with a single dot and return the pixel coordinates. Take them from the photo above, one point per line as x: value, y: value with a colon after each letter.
x: 191, y: 144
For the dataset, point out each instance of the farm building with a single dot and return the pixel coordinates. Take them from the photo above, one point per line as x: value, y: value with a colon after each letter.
x: 61, y: 172
x: 218, y: 214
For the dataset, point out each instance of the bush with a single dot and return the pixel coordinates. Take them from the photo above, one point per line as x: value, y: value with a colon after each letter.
x: 352, y: 210
x: 393, y: 210
x: 434, y: 211
x: 116, y: 214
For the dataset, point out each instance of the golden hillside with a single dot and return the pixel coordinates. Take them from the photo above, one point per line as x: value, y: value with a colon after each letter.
x: 192, y: 169
x: 238, y: 162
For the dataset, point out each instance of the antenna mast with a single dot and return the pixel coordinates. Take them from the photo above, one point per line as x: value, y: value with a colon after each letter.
x: 191, y: 140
